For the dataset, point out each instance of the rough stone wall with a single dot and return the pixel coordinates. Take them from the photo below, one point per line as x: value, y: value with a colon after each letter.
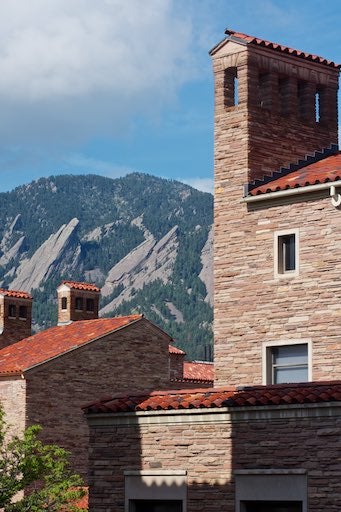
x: 260, y: 307
x: 14, y: 329
x: 203, y: 450
x: 135, y: 358
x: 251, y: 306
x: 210, y: 449
x: 12, y: 400
x: 284, y: 129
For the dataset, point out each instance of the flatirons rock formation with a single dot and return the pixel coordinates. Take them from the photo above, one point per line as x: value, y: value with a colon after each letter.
x: 147, y: 242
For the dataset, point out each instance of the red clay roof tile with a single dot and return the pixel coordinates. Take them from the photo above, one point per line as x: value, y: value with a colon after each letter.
x: 279, y: 47
x: 76, y: 285
x: 56, y: 341
x: 323, y: 171
x: 15, y: 293
x: 176, y: 351
x: 282, y: 394
x: 198, y: 371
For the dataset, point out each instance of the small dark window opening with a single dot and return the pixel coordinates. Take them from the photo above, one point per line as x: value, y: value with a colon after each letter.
x: 79, y: 303
x: 12, y: 310
x: 283, y: 96
x: 22, y: 311
x: 231, y: 98
x: 302, y: 98
x: 286, y: 253
x: 155, y: 506
x: 271, y: 506
x: 264, y: 90
x: 64, y: 303
x: 90, y: 305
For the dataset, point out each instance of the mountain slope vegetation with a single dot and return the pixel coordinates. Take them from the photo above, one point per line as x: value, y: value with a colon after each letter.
x: 139, y: 237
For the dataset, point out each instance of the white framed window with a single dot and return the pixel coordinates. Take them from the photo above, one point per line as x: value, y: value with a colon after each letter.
x: 286, y: 361
x: 155, y: 490
x: 271, y: 490
x: 286, y: 253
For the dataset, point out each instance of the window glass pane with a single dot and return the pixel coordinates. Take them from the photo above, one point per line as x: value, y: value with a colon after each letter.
x: 289, y: 252
x: 290, y: 374
x: 290, y: 354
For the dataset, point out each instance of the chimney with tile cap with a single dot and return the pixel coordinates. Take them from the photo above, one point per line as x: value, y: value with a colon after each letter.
x: 77, y: 301
x: 15, y: 316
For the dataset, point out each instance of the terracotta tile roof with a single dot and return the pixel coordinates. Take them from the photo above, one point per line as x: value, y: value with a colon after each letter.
x: 322, y: 171
x: 75, y: 285
x: 253, y: 396
x: 176, y: 351
x: 232, y: 34
x: 56, y: 341
x: 198, y: 371
x: 15, y: 293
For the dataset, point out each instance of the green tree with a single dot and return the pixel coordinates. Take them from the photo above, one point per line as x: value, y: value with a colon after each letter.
x: 35, y: 477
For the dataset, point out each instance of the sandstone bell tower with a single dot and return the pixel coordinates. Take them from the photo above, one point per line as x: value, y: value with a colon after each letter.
x: 275, y: 113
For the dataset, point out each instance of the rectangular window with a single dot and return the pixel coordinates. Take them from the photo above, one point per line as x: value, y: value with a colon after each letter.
x: 90, y: 305
x: 155, y: 506
x: 64, y: 303
x: 231, y: 98
x: 271, y: 490
x: 155, y: 490
x: 12, y: 310
x: 79, y: 303
x: 286, y: 253
x: 283, y: 96
x: 22, y: 312
x: 289, y: 363
x: 271, y: 506
x: 264, y: 90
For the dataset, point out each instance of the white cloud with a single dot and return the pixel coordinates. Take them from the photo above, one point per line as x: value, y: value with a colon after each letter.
x: 72, y: 68
x: 87, y: 165
x: 203, y: 184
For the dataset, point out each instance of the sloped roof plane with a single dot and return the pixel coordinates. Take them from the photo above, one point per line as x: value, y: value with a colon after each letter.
x: 56, y: 341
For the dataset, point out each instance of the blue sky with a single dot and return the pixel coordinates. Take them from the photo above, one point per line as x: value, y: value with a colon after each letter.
x: 117, y: 86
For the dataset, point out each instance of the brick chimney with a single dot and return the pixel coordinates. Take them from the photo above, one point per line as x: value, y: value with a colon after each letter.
x: 15, y: 316
x: 77, y: 301
x: 176, y: 363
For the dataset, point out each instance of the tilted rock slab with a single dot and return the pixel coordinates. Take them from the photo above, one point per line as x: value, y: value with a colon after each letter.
x: 32, y: 272
x: 149, y: 261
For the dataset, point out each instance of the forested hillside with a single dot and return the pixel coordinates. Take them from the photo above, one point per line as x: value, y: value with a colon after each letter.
x: 143, y: 239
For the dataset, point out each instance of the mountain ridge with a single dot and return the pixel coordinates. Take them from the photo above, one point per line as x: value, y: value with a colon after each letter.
x: 145, y: 240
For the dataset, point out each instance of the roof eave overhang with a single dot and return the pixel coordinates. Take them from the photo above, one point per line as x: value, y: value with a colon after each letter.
x: 215, y: 414
x: 309, y: 189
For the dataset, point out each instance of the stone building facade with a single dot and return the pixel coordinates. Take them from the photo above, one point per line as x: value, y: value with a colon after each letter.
x: 267, y: 437
x: 257, y: 138
x: 44, y: 378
